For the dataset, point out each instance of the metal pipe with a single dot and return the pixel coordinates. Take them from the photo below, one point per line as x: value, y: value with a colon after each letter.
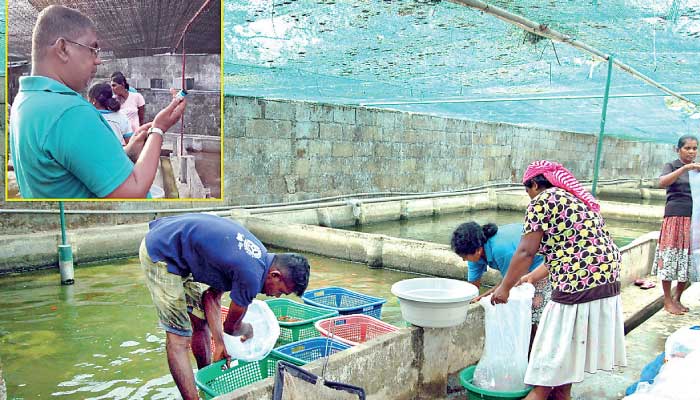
x: 385, y: 196
x: 513, y: 99
x: 62, y: 217
x: 599, y: 145
x: 187, y: 27
x: 544, y: 31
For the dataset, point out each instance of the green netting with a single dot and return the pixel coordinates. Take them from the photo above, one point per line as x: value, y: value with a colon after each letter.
x: 446, y: 59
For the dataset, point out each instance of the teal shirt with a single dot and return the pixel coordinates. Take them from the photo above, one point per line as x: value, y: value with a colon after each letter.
x: 61, y: 146
x: 498, y: 251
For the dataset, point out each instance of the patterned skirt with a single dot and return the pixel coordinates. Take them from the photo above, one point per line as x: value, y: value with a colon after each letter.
x: 673, y: 260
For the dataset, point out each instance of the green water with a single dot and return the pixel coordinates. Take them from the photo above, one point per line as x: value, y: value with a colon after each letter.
x: 438, y: 229
x: 99, y: 338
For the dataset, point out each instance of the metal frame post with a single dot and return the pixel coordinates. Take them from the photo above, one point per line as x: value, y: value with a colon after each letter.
x: 599, y: 146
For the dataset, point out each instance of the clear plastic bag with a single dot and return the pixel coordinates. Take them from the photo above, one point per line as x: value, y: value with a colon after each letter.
x: 682, y: 342
x: 504, y: 361
x: 266, y: 330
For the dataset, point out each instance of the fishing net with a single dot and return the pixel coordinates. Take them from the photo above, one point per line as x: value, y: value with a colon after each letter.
x: 441, y: 58
x: 294, y: 383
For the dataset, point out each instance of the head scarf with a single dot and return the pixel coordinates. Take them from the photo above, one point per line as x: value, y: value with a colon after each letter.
x: 561, y: 177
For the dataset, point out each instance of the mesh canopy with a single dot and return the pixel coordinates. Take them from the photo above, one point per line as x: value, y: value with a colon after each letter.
x: 446, y: 59
x: 126, y: 28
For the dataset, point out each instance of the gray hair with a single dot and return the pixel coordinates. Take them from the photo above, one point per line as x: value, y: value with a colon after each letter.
x: 54, y: 22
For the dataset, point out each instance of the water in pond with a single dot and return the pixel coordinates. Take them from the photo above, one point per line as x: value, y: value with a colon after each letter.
x: 640, y: 201
x: 99, y: 338
x: 438, y: 229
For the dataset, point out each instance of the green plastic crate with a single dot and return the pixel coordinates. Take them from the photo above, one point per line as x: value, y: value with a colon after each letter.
x: 305, y: 314
x: 213, y: 381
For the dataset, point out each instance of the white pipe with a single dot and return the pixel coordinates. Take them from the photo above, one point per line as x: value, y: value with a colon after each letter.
x: 310, y: 204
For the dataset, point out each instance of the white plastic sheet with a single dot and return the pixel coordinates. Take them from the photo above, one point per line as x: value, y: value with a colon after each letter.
x: 266, y: 330
x: 677, y: 380
x: 682, y: 342
x: 504, y: 361
x: 694, y: 178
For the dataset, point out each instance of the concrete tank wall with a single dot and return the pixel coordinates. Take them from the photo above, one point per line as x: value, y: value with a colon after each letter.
x: 410, y: 364
x: 289, y: 150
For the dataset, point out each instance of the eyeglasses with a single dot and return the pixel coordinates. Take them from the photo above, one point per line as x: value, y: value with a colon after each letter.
x: 94, y: 50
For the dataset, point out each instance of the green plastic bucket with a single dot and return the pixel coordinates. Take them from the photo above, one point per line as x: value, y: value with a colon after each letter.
x: 476, y: 393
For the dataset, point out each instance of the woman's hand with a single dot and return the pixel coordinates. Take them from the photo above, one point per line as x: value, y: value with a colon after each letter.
x: 486, y: 293
x: 692, y: 167
x: 500, y: 295
x: 527, y: 278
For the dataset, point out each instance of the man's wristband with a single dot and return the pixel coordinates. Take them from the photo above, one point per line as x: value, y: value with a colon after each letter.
x: 155, y: 130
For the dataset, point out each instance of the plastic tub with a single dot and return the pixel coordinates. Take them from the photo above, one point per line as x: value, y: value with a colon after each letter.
x: 434, y: 302
x: 345, y: 301
x: 353, y: 329
x: 476, y: 393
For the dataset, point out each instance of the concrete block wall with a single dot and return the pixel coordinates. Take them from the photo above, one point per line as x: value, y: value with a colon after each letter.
x: 202, y: 116
x: 289, y: 150
x: 204, y: 68
x: 410, y: 364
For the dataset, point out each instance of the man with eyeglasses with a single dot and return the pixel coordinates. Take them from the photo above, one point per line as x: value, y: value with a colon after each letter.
x: 61, y: 146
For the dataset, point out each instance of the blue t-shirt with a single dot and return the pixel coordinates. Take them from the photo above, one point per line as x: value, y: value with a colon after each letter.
x: 499, y: 249
x: 61, y: 146
x: 216, y: 251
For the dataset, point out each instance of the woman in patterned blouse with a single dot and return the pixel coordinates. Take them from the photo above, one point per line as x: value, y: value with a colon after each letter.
x: 582, y: 327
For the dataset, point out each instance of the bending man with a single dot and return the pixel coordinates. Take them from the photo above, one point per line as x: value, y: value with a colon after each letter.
x: 189, y: 261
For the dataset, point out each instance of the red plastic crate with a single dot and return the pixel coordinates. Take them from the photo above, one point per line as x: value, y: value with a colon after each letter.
x: 353, y: 329
x: 224, y: 313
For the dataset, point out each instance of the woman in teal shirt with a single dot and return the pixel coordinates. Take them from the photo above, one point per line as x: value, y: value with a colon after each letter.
x: 493, y: 246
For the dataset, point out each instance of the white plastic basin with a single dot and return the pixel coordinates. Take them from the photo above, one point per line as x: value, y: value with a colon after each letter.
x: 434, y: 302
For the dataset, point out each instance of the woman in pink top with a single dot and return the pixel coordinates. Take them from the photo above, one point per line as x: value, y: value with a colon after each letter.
x: 132, y: 103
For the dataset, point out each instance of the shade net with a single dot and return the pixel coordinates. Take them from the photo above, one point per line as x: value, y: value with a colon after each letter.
x: 446, y: 59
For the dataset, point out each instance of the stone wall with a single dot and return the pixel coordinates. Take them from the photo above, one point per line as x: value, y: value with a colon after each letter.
x: 202, y: 116
x: 279, y: 150
x: 289, y: 150
x: 205, y: 69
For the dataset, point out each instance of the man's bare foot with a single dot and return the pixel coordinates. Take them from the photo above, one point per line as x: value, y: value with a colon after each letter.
x: 673, y: 308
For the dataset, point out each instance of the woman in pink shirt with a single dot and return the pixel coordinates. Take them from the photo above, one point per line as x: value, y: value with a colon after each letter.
x: 132, y: 103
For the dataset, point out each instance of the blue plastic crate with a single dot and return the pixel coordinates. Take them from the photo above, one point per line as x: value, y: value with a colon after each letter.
x: 309, y: 350
x: 344, y: 301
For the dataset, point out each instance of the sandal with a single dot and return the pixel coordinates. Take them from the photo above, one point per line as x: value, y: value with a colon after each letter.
x: 639, y: 282
x: 647, y: 285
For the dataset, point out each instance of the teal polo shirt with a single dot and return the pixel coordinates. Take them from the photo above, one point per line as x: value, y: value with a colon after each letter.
x: 61, y: 146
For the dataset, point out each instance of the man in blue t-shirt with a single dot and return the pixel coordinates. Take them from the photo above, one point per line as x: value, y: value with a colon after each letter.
x: 189, y: 261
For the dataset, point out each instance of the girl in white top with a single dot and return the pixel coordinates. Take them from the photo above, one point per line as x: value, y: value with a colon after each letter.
x: 132, y: 103
x: 100, y: 95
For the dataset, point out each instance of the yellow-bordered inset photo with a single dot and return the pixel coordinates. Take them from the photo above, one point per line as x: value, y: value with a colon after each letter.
x: 120, y: 100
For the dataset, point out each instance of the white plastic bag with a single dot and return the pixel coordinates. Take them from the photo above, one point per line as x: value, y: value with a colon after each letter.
x: 682, y: 342
x: 504, y: 361
x: 266, y: 330
x: 677, y: 380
